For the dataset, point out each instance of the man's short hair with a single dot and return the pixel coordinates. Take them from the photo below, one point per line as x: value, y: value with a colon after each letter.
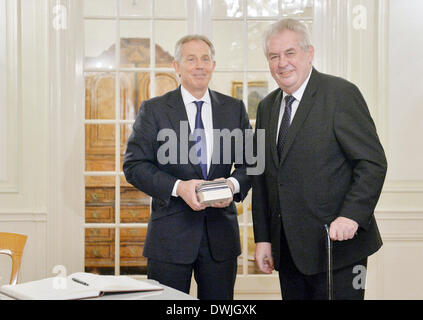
x: 191, y: 37
x: 288, y: 24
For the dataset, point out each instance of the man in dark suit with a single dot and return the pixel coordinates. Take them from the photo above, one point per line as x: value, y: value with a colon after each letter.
x: 324, y: 165
x: 186, y: 236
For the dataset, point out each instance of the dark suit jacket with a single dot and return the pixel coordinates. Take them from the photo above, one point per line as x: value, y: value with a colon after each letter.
x: 332, y: 165
x: 174, y: 229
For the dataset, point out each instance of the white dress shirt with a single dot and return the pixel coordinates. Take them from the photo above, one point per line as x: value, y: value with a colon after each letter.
x: 207, y: 117
x: 297, y: 95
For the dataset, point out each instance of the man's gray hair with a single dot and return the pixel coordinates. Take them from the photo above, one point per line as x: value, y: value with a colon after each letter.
x: 288, y: 24
x: 191, y: 37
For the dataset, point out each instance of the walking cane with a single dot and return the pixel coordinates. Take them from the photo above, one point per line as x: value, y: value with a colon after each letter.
x: 329, y: 264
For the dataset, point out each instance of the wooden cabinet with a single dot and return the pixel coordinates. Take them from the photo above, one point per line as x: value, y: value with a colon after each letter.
x: 100, y: 242
x: 100, y: 155
x: 99, y: 249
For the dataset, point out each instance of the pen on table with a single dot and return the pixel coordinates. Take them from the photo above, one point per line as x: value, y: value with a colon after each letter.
x: 80, y: 282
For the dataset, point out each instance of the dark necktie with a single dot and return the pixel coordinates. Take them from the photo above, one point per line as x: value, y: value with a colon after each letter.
x: 200, y: 139
x: 285, y: 123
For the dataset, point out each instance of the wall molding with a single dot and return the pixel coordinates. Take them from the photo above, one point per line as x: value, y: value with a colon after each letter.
x: 8, y: 188
x: 27, y: 215
x: 386, y: 213
x: 3, y: 93
x: 409, y: 237
x: 403, y: 225
x: 403, y: 186
x: 10, y: 140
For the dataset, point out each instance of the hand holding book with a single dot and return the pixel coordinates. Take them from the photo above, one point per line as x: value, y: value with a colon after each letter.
x: 187, y: 191
x: 200, y: 194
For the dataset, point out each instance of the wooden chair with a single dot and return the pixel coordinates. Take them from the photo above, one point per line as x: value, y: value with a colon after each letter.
x: 13, y: 245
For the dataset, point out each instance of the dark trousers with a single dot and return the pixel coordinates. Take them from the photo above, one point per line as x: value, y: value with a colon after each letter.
x: 297, y: 286
x: 215, y: 280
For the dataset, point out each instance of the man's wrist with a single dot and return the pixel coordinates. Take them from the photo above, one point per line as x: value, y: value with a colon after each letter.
x: 233, y: 184
x: 175, y: 188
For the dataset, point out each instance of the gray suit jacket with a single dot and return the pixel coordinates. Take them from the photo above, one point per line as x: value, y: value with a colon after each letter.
x: 175, y: 230
x: 332, y: 165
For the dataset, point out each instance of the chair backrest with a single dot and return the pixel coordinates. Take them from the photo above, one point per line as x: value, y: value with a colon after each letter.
x: 13, y: 245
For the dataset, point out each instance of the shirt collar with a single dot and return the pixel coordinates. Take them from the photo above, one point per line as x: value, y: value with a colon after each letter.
x: 300, y: 91
x: 189, y: 98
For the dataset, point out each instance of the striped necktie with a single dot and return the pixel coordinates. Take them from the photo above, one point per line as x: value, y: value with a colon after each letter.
x: 200, y: 136
x: 285, y: 123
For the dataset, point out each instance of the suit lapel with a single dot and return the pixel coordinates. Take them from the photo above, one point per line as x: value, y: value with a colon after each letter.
x: 273, y: 127
x: 177, y: 114
x: 306, y: 104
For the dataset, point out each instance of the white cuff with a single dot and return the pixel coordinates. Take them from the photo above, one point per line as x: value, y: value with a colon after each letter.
x: 175, y: 187
x: 235, y: 183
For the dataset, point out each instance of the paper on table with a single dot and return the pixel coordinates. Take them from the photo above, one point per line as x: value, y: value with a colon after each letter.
x: 49, y: 289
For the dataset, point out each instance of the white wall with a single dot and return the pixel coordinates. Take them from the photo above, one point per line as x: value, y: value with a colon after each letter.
x: 397, y: 274
x: 23, y: 194
x: 3, y: 93
x: 405, y: 90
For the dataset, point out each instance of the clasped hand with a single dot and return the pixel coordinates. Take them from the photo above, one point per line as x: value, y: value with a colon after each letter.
x: 186, y: 190
x: 342, y: 229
